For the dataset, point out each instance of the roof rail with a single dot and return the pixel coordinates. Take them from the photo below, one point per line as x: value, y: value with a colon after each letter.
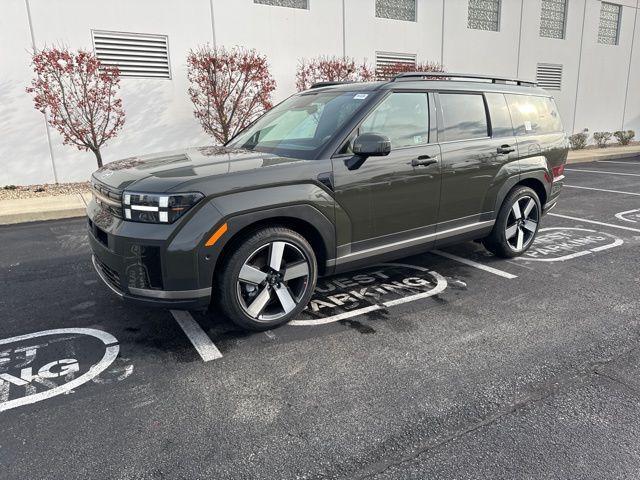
x: 328, y: 84
x: 453, y: 76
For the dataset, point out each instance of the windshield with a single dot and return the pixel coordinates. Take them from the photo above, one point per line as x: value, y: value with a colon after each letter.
x: 300, y: 125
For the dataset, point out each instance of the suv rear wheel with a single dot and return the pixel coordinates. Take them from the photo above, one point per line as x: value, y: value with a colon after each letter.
x: 268, y: 279
x: 517, y: 223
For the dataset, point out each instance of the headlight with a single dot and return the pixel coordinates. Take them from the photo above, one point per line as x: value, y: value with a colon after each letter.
x: 157, y: 208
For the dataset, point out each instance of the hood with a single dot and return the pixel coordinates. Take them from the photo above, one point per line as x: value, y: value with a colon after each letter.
x: 182, y: 169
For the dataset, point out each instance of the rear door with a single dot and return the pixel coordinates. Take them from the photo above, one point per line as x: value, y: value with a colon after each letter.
x: 479, y: 152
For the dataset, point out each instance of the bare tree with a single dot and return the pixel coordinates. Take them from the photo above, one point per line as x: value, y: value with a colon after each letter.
x: 229, y: 89
x: 78, y: 96
x: 331, y: 69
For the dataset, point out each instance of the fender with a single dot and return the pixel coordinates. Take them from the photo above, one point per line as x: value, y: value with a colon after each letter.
x: 531, y: 168
x: 308, y: 203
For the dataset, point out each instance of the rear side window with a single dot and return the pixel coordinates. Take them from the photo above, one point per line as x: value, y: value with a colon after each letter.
x: 534, y: 115
x: 499, y: 114
x: 403, y: 117
x: 463, y: 116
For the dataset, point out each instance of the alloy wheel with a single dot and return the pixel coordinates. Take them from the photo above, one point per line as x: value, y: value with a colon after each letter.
x: 522, y: 223
x: 273, y: 280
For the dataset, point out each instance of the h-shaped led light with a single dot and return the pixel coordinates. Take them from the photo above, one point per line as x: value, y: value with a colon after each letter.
x: 158, y: 208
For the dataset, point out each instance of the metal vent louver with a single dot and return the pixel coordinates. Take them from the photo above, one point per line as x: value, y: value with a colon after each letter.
x: 386, y: 59
x: 549, y: 76
x: 135, y: 54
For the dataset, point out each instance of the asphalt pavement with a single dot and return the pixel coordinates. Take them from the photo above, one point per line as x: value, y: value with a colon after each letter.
x: 451, y: 364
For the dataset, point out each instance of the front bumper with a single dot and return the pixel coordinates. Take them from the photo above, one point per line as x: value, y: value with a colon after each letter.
x: 177, y: 299
x: 148, y: 264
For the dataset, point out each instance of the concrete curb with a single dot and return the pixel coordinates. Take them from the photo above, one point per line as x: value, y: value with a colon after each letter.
x: 43, y: 208
x: 611, y: 153
x: 70, y: 206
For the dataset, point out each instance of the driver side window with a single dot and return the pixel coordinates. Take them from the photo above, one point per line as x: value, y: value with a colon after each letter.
x: 402, y: 116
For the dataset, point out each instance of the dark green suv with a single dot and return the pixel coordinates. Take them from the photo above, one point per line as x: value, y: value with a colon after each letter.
x: 332, y: 179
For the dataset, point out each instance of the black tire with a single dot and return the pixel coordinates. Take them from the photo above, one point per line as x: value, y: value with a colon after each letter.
x: 236, y: 296
x: 497, y: 242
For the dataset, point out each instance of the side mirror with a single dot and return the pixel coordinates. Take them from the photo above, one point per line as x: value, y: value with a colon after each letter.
x: 371, y: 145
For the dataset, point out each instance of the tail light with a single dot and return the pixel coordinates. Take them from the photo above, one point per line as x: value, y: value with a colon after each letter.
x: 557, y: 171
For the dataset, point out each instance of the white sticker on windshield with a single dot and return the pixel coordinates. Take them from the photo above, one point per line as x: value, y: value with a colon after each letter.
x: 527, y: 125
x: 361, y: 96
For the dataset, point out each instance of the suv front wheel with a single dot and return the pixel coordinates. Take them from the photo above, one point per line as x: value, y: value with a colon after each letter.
x: 268, y: 279
x: 517, y: 223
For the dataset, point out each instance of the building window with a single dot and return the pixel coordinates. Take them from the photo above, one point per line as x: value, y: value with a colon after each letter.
x: 396, y: 9
x: 484, y: 15
x: 303, y: 4
x: 549, y: 76
x: 135, y: 54
x: 553, y: 18
x: 609, y: 29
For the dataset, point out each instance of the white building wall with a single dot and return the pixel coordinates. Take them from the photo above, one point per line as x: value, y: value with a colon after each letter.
x: 24, y: 150
x: 596, y: 78
x: 603, y: 73
x: 481, y: 51
x: 535, y: 49
x: 365, y: 34
x: 284, y: 35
x: 632, y: 111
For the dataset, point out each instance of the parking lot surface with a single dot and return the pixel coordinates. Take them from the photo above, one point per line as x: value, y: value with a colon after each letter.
x: 450, y: 364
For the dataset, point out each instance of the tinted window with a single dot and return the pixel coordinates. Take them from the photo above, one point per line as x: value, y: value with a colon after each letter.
x: 533, y: 115
x: 300, y: 125
x: 403, y: 117
x: 464, y: 116
x: 499, y: 114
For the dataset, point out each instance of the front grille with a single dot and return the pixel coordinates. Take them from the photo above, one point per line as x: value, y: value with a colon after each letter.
x: 111, y: 274
x: 109, y: 198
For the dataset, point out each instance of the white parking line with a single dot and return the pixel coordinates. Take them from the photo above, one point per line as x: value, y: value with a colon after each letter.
x: 621, y: 215
x: 200, y: 340
x: 584, y: 220
x: 603, y: 190
x: 615, y: 161
x: 601, y: 171
x: 477, y: 265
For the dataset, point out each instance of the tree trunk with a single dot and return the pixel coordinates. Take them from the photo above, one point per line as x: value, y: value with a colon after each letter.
x: 98, y: 157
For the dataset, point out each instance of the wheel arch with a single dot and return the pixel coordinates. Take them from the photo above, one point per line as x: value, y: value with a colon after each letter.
x: 302, y: 218
x: 242, y: 227
x: 533, y: 180
x: 537, y: 186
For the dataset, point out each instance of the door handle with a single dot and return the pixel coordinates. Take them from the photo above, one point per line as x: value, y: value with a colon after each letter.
x: 504, y: 149
x: 423, y: 161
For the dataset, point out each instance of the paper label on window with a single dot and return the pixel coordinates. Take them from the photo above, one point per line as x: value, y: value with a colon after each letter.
x: 527, y: 125
x: 361, y: 96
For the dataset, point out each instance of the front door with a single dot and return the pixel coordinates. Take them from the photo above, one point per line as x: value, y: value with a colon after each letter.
x: 391, y: 200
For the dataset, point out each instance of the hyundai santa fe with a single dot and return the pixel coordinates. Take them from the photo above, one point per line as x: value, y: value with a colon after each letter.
x: 332, y: 179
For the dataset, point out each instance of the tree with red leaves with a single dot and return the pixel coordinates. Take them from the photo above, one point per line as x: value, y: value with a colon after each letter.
x: 78, y: 97
x: 229, y: 89
x: 386, y: 72
x: 331, y: 69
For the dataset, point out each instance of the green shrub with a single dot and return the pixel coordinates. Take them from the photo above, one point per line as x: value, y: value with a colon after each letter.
x: 579, y: 140
x: 10, y: 187
x: 602, y: 138
x: 624, y: 136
